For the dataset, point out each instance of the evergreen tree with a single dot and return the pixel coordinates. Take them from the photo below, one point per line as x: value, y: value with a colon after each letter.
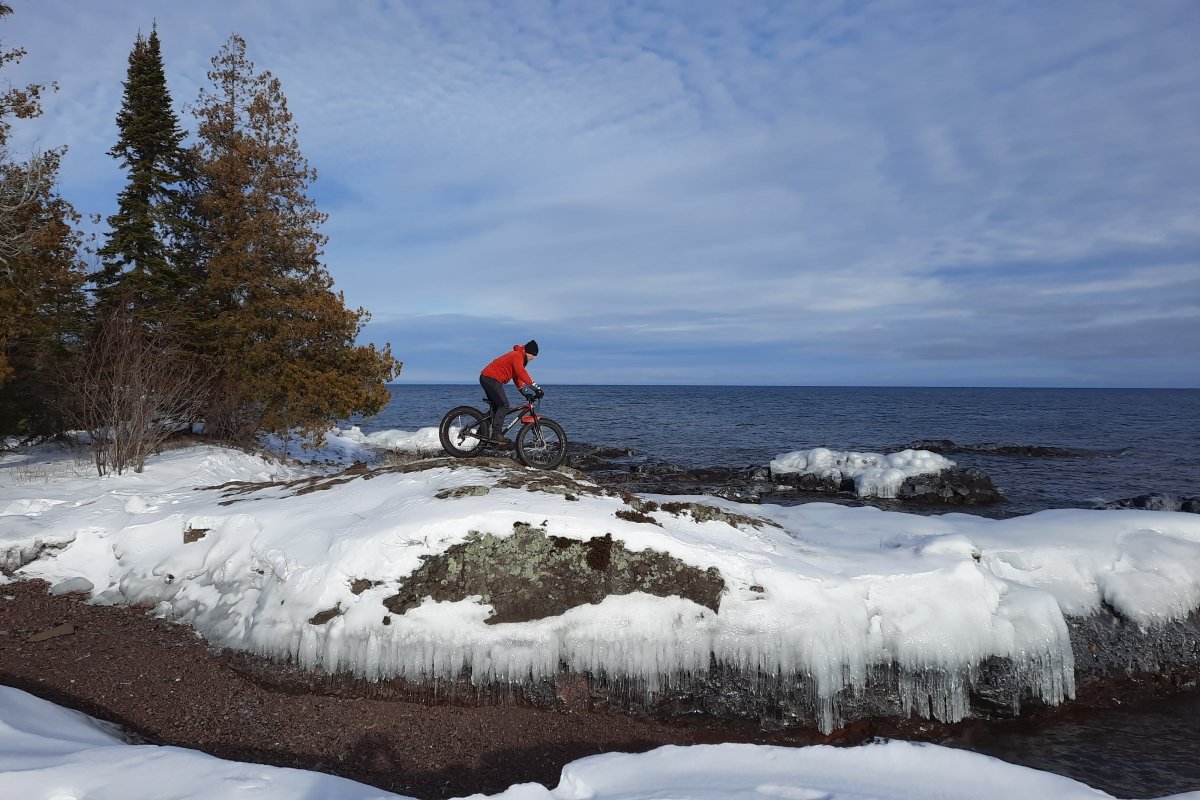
x: 41, y: 279
x: 21, y: 182
x: 44, y: 295
x: 280, y: 339
x: 140, y: 264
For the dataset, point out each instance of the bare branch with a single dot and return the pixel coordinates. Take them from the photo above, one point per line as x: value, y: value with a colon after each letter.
x: 130, y: 389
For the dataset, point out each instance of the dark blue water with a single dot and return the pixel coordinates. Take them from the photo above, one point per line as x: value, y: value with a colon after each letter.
x: 1138, y: 441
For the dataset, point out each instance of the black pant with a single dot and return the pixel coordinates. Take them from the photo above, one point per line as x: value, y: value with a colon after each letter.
x: 498, y: 400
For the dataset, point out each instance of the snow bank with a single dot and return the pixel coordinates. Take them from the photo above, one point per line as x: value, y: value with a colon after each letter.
x: 352, y: 443
x: 342, y: 446
x: 825, y: 601
x: 874, y: 474
x: 50, y: 752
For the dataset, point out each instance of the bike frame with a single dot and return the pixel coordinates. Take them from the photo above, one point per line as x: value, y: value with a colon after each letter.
x: 529, y: 415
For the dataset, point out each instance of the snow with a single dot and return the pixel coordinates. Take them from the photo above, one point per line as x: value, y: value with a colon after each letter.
x: 351, y: 444
x: 56, y: 754
x: 819, y: 594
x: 874, y: 474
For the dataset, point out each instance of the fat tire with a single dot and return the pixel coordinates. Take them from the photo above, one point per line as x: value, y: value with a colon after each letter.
x: 527, y: 453
x: 448, y: 440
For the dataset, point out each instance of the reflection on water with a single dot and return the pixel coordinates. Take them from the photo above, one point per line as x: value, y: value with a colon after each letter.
x: 1150, y: 749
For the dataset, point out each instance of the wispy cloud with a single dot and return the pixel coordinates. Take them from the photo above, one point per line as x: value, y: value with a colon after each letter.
x: 826, y: 192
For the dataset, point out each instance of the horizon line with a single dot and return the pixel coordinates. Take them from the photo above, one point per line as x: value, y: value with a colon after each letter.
x: 824, y: 386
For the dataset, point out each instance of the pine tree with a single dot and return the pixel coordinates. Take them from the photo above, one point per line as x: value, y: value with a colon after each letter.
x: 140, y: 263
x: 46, y: 299
x: 21, y: 182
x: 41, y: 279
x: 280, y: 339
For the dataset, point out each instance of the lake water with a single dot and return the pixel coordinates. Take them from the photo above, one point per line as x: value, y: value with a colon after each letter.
x: 1133, y: 441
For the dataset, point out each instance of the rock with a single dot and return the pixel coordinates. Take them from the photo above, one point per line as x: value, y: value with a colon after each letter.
x: 76, y: 585
x: 462, y: 491
x: 706, y: 513
x: 194, y: 534
x: 1107, y: 646
x: 596, y: 457
x: 1006, y: 449
x: 755, y: 484
x: 955, y: 486
x: 322, y: 617
x: 657, y: 469
x: 360, y: 585
x: 1156, y: 502
x: 813, y: 482
x: 66, y: 629
x: 1111, y: 658
x: 531, y: 575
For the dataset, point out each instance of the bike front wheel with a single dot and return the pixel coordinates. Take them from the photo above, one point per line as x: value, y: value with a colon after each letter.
x: 542, y: 444
x: 461, y: 431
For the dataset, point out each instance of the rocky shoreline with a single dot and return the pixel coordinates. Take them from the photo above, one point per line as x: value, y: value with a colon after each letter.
x: 957, y: 488
x: 621, y: 468
x: 532, y: 575
x: 1157, y: 502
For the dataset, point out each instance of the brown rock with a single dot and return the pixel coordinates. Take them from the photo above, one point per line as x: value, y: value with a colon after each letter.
x: 66, y: 629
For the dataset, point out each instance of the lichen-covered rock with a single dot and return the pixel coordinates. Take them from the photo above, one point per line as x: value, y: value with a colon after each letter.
x: 530, y: 575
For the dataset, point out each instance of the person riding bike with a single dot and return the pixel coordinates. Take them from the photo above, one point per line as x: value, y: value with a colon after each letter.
x: 508, y: 367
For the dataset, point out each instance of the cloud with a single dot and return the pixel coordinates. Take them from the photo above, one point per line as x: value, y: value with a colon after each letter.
x: 855, y: 191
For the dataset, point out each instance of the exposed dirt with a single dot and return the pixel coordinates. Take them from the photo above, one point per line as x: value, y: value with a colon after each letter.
x: 166, y: 686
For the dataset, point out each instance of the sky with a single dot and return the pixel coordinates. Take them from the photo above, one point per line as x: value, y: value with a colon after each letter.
x: 901, y: 192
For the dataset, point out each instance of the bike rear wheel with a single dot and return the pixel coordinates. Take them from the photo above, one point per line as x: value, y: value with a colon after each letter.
x: 461, y: 431
x: 542, y: 444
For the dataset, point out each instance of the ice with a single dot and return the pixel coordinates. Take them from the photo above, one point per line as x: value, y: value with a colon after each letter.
x: 874, y: 474
x: 832, y: 605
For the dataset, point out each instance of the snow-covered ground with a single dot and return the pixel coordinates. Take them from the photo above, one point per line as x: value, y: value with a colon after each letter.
x: 819, y: 591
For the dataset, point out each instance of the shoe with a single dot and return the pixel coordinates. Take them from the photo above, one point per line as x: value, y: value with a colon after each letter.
x: 502, y: 444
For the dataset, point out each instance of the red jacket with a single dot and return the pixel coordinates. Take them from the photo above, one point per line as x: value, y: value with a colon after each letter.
x: 510, y: 367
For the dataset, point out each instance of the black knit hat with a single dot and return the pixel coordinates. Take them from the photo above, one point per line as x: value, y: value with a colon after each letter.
x: 531, y: 347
